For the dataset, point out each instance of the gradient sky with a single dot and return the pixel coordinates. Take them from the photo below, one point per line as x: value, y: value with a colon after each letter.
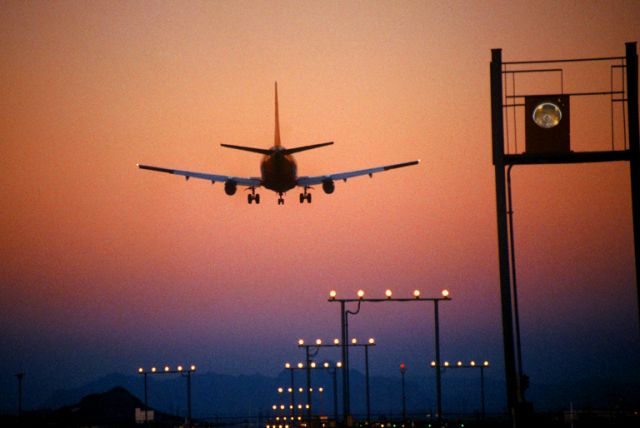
x: 104, y: 268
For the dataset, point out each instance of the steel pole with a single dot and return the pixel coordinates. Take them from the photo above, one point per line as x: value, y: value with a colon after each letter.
x: 438, y: 378
x: 497, y: 130
x: 634, y: 148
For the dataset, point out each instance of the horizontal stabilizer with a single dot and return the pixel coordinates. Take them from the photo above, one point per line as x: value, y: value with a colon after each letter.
x: 271, y: 151
x: 303, y: 148
x: 249, y: 149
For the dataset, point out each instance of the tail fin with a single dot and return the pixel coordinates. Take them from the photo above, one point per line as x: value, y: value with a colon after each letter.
x: 276, y: 142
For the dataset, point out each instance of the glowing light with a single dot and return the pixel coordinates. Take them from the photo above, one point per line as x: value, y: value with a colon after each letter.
x: 445, y: 294
x: 433, y: 363
x: 300, y: 342
x: 318, y: 341
x: 300, y: 365
x: 280, y: 390
x: 547, y: 115
x: 354, y: 340
x: 336, y: 341
x: 472, y: 363
x: 371, y: 341
x: 388, y: 293
x: 140, y: 370
x: 153, y: 369
x: 446, y: 363
x: 459, y: 363
x: 486, y: 364
x: 180, y: 368
x: 339, y: 364
x: 313, y: 364
x: 325, y: 365
x: 360, y: 294
x: 192, y: 368
x: 416, y: 294
x: 332, y: 294
x: 287, y: 365
x: 166, y: 368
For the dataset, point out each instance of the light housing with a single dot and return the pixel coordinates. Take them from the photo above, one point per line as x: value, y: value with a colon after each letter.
x: 547, y: 125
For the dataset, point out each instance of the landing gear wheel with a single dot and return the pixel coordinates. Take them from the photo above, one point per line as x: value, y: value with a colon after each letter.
x: 305, y: 197
x: 257, y: 198
x: 280, y: 201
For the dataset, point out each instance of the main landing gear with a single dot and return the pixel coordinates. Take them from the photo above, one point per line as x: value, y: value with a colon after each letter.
x: 280, y: 199
x: 253, y: 196
x: 305, y: 196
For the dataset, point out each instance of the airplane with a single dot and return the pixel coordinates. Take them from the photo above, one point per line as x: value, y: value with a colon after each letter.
x: 278, y: 170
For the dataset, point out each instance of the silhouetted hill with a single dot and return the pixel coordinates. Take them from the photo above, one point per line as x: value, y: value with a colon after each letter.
x: 114, y: 408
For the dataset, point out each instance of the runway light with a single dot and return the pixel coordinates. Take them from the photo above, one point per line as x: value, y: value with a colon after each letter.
x: 416, y: 294
x: 300, y: 342
x: 153, y: 369
x: 192, y: 368
x: 446, y: 363
x: 318, y: 341
x: 280, y: 390
x: 486, y: 364
x: 332, y: 294
x: 547, y: 115
x: 287, y: 365
x: 433, y: 363
x: 371, y: 341
x: 180, y: 368
x: 325, y: 365
x: 360, y: 294
x: 388, y: 293
x: 339, y: 364
x: 445, y: 294
x: 336, y: 341
x: 166, y: 368
x: 459, y: 363
x: 354, y: 341
x: 300, y: 365
x: 140, y: 370
x: 313, y: 364
x: 289, y: 389
x: 472, y: 363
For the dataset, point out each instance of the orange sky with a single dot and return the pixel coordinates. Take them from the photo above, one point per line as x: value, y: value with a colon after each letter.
x: 105, y: 263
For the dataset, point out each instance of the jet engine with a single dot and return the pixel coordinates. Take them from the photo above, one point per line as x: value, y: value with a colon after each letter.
x: 230, y: 187
x: 328, y: 186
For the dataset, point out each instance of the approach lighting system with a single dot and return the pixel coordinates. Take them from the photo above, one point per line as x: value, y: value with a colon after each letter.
x: 547, y: 129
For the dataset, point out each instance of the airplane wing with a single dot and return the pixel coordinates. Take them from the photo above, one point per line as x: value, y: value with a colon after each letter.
x: 243, y: 181
x: 310, y: 181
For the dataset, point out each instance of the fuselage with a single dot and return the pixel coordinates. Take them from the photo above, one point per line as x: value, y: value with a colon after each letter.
x: 279, y: 170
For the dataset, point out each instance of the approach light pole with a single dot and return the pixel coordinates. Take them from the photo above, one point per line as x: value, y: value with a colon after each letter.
x: 311, y: 350
x: 547, y: 131
x: 472, y: 365
x: 403, y: 370
x: 184, y: 371
x: 344, y: 313
x: 20, y: 377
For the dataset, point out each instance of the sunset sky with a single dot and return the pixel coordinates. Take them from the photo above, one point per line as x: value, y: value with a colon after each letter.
x: 104, y: 267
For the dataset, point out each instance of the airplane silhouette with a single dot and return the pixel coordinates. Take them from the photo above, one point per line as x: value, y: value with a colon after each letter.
x: 278, y: 171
